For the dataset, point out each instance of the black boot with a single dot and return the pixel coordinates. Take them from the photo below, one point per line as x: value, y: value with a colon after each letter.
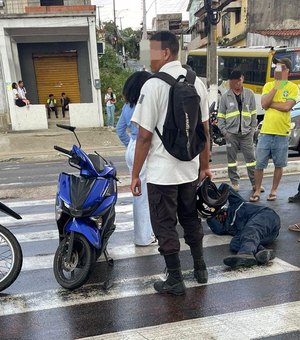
x: 173, y: 285
x: 200, y: 270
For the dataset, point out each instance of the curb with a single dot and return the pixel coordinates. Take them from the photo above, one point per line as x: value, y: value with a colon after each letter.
x: 221, y: 174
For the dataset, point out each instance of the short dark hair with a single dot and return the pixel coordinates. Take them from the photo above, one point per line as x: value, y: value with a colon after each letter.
x: 62, y: 93
x: 133, y: 85
x: 235, y: 74
x: 14, y: 85
x: 51, y: 95
x: 168, y: 40
x: 20, y: 81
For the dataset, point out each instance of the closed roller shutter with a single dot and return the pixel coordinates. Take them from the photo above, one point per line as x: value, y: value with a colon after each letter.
x: 56, y: 74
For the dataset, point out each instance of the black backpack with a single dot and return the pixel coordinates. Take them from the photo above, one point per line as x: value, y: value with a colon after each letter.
x: 183, y: 133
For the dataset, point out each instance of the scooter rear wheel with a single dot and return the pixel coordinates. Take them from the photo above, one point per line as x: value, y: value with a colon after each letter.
x: 11, y: 258
x: 73, y: 274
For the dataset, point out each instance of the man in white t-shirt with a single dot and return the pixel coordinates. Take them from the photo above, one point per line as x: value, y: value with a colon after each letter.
x: 171, y: 183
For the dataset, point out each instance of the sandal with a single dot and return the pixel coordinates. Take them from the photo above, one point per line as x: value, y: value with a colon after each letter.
x: 294, y: 227
x: 272, y: 197
x: 254, y: 198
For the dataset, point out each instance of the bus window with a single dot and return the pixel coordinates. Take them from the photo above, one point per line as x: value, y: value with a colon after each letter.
x: 198, y: 64
x: 254, y: 69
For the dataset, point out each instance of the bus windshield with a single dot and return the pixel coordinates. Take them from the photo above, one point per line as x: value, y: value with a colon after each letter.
x: 294, y: 56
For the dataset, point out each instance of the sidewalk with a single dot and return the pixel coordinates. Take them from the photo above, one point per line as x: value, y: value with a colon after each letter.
x: 38, y: 146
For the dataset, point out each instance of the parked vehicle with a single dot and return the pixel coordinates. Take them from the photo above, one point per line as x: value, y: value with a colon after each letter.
x: 85, y: 215
x: 11, y: 257
x: 294, y: 137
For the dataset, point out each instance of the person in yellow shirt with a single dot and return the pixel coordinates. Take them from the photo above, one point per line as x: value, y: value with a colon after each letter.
x: 278, y: 97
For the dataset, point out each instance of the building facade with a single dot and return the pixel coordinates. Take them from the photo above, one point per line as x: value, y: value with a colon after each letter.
x: 51, y: 46
x: 247, y: 23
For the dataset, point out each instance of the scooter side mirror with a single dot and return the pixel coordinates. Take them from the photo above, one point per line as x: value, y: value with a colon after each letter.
x: 66, y: 127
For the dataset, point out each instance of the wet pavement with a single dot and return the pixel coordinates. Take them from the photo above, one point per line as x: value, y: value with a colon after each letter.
x: 261, y: 302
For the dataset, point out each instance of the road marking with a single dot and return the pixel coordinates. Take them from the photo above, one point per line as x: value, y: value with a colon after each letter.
x: 247, y: 324
x: 91, y: 293
x: 42, y: 217
x: 33, y: 203
x: 125, y: 251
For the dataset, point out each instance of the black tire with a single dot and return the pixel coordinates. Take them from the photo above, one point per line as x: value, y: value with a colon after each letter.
x: 75, y: 273
x: 11, y: 258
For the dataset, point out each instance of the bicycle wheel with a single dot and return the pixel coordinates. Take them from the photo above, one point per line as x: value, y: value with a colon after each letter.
x: 11, y: 258
x: 74, y: 273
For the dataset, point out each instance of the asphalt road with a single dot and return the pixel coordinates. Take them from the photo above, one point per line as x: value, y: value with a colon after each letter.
x: 261, y: 302
x: 18, y: 174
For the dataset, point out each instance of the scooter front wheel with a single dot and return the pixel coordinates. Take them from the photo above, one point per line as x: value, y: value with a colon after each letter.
x: 11, y: 258
x: 74, y: 273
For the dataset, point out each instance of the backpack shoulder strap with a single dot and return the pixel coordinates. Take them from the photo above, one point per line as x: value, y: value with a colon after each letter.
x: 190, y: 77
x: 165, y: 77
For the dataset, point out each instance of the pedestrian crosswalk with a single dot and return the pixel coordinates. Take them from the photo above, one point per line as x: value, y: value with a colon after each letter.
x: 245, y: 303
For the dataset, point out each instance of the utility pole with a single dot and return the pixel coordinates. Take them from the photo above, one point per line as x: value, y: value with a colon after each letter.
x: 144, y: 36
x: 99, y: 19
x: 213, y: 18
x: 115, y: 26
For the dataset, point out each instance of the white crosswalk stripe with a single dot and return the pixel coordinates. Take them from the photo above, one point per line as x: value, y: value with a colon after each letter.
x: 47, y: 299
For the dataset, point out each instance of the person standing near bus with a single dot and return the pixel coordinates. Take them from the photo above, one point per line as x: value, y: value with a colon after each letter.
x: 237, y: 121
x: 278, y: 98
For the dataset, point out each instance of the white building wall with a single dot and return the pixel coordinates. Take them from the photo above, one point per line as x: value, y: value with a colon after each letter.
x: 11, y: 66
x: 254, y: 39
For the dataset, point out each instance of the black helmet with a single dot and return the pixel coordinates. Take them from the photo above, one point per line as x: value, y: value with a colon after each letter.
x: 209, y: 199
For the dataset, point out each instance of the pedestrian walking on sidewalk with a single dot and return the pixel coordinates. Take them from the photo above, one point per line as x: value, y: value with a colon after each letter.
x: 143, y: 233
x: 237, y: 122
x: 110, y: 101
x: 252, y: 226
x: 278, y: 98
x: 172, y: 183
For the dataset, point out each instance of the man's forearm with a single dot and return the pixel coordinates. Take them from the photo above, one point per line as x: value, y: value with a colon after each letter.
x: 267, y: 99
x: 205, y: 154
x: 285, y: 107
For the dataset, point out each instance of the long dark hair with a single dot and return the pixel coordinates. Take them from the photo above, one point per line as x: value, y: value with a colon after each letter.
x: 133, y: 85
x: 112, y: 94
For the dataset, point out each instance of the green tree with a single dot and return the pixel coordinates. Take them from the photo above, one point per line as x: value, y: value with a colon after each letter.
x: 114, y: 75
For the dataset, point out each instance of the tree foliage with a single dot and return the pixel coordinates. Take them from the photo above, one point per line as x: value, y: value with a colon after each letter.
x: 113, y: 75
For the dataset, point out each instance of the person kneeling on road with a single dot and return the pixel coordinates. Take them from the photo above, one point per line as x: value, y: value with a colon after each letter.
x: 252, y: 227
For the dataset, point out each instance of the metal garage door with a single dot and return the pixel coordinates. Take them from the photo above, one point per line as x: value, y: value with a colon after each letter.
x: 56, y: 74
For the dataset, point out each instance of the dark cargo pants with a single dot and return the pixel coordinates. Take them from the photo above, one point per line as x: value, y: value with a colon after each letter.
x: 166, y: 203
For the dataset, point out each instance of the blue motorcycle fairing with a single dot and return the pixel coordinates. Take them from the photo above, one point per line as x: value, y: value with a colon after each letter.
x: 92, y: 198
x: 88, y: 168
x: 108, y: 201
x: 86, y: 228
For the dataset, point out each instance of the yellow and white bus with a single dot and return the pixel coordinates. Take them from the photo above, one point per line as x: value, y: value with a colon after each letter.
x: 254, y: 62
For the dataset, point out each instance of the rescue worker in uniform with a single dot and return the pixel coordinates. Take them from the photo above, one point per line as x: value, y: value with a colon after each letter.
x: 252, y: 227
x: 237, y: 121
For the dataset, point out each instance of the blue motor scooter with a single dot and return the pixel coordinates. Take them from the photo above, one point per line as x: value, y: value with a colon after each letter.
x: 85, y: 214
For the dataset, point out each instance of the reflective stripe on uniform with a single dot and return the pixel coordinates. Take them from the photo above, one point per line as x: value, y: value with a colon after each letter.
x: 231, y: 165
x: 250, y: 164
x: 236, y: 113
x: 232, y: 114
